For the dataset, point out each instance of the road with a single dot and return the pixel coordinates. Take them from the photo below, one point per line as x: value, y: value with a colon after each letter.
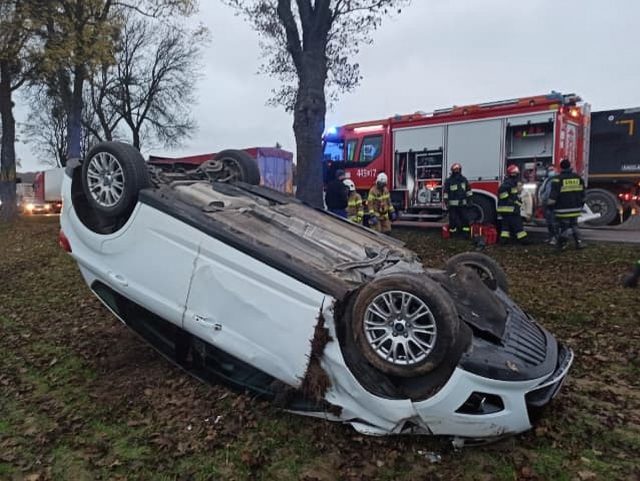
x: 628, y: 233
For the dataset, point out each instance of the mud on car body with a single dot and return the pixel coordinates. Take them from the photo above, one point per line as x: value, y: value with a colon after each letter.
x: 240, y: 284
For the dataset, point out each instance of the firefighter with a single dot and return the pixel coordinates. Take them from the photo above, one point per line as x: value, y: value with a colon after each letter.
x: 543, y: 198
x: 337, y: 195
x: 631, y: 280
x: 381, y: 210
x: 457, y: 194
x: 355, y: 211
x: 509, y: 204
x: 566, y: 199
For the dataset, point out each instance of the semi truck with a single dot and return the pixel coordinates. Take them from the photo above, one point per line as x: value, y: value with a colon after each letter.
x: 417, y: 150
x: 47, y: 197
x: 614, y: 164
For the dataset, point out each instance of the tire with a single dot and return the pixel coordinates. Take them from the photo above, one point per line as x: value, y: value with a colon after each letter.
x: 117, y: 194
x: 415, y: 353
x: 488, y: 269
x: 484, y: 209
x: 240, y: 165
x: 603, y: 202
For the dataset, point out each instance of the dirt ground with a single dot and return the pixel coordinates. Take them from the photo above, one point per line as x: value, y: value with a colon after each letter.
x: 82, y: 398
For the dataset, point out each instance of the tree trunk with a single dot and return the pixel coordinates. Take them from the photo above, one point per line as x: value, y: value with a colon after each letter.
x: 74, y: 118
x: 136, y: 138
x: 8, y: 210
x: 308, y: 127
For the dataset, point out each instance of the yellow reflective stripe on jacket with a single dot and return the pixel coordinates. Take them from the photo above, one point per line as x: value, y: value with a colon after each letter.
x: 503, y: 195
x: 469, y: 193
x: 506, y: 209
x: 520, y: 235
x: 355, y: 209
x: 514, y: 190
x: 571, y: 188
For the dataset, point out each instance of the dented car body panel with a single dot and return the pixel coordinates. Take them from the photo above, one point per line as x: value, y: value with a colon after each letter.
x: 238, y: 283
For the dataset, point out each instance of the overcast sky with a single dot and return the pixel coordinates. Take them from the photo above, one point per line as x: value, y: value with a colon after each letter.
x: 435, y: 54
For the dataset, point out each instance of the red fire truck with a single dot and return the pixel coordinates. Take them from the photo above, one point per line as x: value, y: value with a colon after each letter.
x: 417, y: 150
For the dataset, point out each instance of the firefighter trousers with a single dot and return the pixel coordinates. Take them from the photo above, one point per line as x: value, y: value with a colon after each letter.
x: 512, y: 227
x: 566, y: 227
x: 459, y: 221
x: 383, y: 225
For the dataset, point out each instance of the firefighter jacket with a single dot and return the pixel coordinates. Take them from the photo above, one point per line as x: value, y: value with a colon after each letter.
x: 355, y: 210
x: 567, y: 195
x: 337, y: 195
x: 379, y: 203
x: 457, y: 190
x: 509, y: 201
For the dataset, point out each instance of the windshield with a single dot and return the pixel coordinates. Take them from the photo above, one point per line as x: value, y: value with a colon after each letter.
x: 334, y: 151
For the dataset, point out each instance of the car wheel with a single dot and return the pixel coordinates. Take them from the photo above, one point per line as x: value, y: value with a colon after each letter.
x: 404, y: 325
x: 112, y: 175
x: 238, y: 166
x: 488, y: 269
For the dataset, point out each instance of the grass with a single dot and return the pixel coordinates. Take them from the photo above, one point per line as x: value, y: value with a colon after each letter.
x: 83, y: 398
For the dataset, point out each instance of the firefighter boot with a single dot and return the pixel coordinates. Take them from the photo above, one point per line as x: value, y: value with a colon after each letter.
x: 576, y: 238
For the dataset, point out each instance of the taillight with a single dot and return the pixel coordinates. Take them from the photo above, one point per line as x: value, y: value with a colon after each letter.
x: 63, y: 242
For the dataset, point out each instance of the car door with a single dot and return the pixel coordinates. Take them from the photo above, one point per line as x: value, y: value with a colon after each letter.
x: 151, y: 261
x: 252, y: 311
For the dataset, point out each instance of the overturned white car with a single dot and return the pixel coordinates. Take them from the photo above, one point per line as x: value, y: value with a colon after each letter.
x: 240, y: 284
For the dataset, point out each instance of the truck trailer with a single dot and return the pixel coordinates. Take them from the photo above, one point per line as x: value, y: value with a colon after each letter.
x: 614, y: 164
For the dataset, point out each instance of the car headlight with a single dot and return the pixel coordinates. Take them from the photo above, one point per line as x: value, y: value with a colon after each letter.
x: 30, y: 206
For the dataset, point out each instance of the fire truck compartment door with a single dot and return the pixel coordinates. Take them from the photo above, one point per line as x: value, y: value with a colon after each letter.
x: 478, y: 147
x: 530, y: 119
x: 419, y: 139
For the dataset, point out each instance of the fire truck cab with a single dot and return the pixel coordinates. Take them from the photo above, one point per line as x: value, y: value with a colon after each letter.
x: 417, y: 150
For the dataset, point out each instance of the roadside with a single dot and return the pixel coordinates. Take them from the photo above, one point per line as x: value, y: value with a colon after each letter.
x: 83, y: 398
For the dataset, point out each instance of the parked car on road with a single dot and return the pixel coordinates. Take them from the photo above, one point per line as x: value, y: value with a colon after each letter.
x: 241, y: 284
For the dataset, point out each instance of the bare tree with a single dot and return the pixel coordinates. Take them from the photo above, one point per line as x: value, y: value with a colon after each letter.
x: 101, y: 117
x: 79, y: 37
x: 156, y: 69
x: 16, y: 23
x: 309, y: 46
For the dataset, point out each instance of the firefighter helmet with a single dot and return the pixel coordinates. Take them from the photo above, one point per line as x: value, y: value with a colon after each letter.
x: 382, y: 178
x: 456, y: 167
x: 349, y: 183
x: 513, y: 170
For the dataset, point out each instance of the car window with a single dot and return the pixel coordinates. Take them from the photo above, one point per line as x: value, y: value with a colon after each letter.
x: 351, y: 149
x: 370, y: 149
x: 334, y: 151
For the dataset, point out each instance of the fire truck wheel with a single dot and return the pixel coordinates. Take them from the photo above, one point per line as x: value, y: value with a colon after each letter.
x: 483, y: 210
x: 112, y: 175
x: 239, y: 166
x: 602, y: 202
x: 404, y: 325
x: 488, y: 269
